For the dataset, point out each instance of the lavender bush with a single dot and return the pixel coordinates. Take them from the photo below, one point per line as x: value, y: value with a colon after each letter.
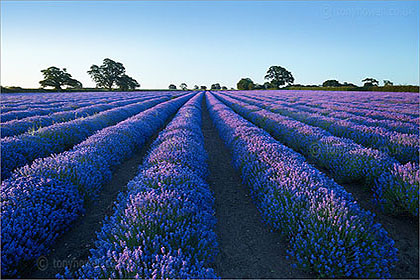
x: 327, y: 231
x: 16, y: 127
x: 404, y: 147
x: 81, y: 172
x: 163, y: 226
x: 348, y: 161
x: 23, y: 149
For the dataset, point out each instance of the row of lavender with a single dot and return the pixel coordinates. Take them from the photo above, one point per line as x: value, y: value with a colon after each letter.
x: 334, y: 112
x: 375, y: 106
x: 24, y: 101
x: 35, y: 105
x: 39, y: 201
x: 27, y: 100
x: 65, y: 102
x: 395, y: 186
x: 19, y: 150
x: 349, y: 113
x: 378, y: 105
x: 16, y: 127
x: 404, y: 147
x: 163, y: 226
x: 347, y: 110
x: 328, y: 232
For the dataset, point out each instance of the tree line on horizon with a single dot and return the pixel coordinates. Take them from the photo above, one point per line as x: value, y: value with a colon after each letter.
x: 278, y: 77
x: 112, y: 74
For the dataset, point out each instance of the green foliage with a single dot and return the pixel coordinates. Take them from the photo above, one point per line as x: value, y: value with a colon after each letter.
x: 203, y: 88
x: 127, y: 83
x: 402, y: 88
x: 331, y: 83
x: 245, y: 84
x: 279, y: 76
x: 56, y: 78
x: 216, y: 86
x: 183, y: 86
x: 336, y: 84
x: 172, y: 86
x: 110, y: 74
x: 388, y: 83
x: 258, y: 86
x: 370, y: 82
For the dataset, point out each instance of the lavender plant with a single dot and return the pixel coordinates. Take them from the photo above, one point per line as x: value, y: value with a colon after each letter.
x: 163, y: 226
x: 327, y: 230
x: 81, y: 172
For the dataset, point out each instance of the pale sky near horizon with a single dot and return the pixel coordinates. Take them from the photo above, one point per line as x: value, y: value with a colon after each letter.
x: 205, y: 42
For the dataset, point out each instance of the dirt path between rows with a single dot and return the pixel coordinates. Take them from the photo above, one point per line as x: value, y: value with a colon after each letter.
x: 72, y: 248
x: 248, y: 249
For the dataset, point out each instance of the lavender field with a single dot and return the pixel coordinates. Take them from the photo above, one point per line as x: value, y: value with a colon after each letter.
x: 210, y: 184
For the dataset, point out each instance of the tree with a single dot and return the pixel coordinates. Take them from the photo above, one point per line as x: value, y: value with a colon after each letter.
x: 267, y: 85
x: 258, y: 86
x: 127, y: 83
x: 224, y: 87
x: 172, y: 86
x: 110, y: 74
x: 346, y: 84
x: 216, y: 86
x: 388, y: 83
x: 370, y: 82
x: 203, y: 87
x: 245, y: 84
x: 196, y: 87
x: 183, y: 86
x: 56, y: 78
x: 331, y: 83
x: 279, y: 76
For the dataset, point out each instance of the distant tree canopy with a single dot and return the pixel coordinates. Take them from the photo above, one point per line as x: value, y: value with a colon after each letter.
x: 196, y: 87
x: 279, y: 76
x: 331, y: 83
x: 245, y: 84
x: 216, y: 86
x: 370, y: 82
x: 267, y: 85
x: 224, y: 87
x: 335, y: 83
x: 346, y: 84
x: 110, y: 74
x: 203, y: 87
x: 183, y: 86
x: 388, y: 83
x: 56, y: 78
x: 258, y: 86
x: 172, y: 86
x: 127, y: 83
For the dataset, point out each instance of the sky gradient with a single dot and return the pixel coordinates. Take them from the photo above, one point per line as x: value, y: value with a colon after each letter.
x: 203, y: 42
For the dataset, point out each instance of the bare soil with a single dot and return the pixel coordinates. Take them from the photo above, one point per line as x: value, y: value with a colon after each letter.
x: 248, y: 248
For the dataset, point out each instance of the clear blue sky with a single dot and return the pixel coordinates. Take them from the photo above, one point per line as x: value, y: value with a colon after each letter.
x: 203, y: 42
